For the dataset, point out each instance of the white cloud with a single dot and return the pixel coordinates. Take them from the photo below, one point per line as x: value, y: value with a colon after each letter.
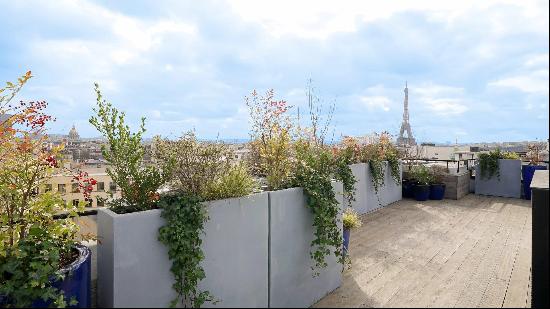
x: 322, y: 18
x: 376, y: 102
x: 533, y: 82
x: 440, y: 99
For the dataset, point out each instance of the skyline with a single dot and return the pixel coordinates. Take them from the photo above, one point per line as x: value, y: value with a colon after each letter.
x: 476, y: 71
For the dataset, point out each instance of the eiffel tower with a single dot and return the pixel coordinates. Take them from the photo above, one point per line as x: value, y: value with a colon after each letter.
x: 405, y: 125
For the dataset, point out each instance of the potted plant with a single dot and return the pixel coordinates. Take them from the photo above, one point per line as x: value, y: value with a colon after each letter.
x: 534, y: 156
x: 41, y: 260
x: 437, y: 187
x: 498, y: 173
x: 421, y: 174
x: 350, y: 221
x: 408, y: 188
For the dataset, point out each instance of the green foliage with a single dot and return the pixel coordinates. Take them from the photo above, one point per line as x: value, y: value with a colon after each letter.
x: 235, y: 183
x: 377, y: 172
x: 421, y: 174
x: 26, y: 273
x: 313, y: 173
x: 488, y: 162
x: 343, y: 158
x: 124, y: 151
x: 33, y: 246
x: 203, y: 169
x: 350, y: 219
x: 185, y: 218
x: 271, y: 142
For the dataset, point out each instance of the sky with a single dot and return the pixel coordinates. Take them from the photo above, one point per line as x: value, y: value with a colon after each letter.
x: 476, y: 70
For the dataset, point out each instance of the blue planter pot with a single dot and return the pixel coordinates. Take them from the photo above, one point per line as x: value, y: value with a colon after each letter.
x: 408, y: 188
x: 437, y: 191
x: 346, y: 241
x: 77, y: 282
x: 421, y: 192
x: 527, y: 172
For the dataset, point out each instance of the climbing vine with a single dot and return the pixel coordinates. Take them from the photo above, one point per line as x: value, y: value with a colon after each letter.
x: 377, y: 172
x: 343, y: 158
x: 313, y: 173
x: 395, y: 169
x: 185, y: 218
x: 488, y: 162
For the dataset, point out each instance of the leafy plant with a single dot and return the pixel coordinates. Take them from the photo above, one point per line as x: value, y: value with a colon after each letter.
x: 33, y: 246
x: 488, y: 162
x: 534, y: 153
x: 203, y: 169
x: 235, y: 183
x: 344, y: 156
x: 124, y: 152
x: 421, y: 174
x: 271, y: 142
x: 350, y: 219
x: 379, y: 150
x: 185, y: 218
x: 313, y: 173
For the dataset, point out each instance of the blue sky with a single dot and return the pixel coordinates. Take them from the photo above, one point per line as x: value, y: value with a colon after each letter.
x: 477, y: 70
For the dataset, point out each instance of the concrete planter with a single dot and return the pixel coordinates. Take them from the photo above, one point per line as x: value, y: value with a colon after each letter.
x: 509, y: 184
x: 134, y: 268
x: 359, y: 171
x: 291, y: 283
x: 366, y: 198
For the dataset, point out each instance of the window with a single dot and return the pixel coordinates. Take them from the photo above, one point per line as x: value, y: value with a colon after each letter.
x: 74, y: 187
x: 48, y: 187
x: 61, y: 188
x: 112, y: 186
x: 89, y: 202
x: 100, y: 186
x: 100, y: 202
x: 75, y: 202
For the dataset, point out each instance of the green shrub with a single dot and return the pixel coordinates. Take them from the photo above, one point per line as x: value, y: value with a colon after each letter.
x: 488, y: 162
x: 421, y: 174
x: 137, y: 181
x: 235, y: 183
x: 350, y: 219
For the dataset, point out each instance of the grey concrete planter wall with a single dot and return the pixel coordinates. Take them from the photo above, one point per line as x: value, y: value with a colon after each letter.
x: 509, y: 184
x: 291, y: 233
x: 367, y: 199
x: 134, y: 269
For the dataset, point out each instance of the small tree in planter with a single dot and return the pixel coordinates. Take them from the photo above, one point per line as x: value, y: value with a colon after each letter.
x: 350, y: 220
x: 534, y: 155
x: 201, y: 172
x: 488, y: 162
x: 421, y: 174
x: 138, y: 182
x: 36, y: 250
x: 437, y: 186
x: 271, y: 139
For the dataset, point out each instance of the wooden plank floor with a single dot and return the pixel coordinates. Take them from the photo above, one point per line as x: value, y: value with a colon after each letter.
x: 473, y: 252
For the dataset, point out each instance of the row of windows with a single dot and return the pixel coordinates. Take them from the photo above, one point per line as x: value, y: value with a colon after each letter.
x: 89, y: 202
x: 62, y: 188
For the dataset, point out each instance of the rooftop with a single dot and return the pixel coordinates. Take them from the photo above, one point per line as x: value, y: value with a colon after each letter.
x: 472, y: 252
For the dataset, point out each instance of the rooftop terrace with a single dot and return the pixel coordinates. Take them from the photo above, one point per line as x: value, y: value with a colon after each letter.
x: 472, y: 252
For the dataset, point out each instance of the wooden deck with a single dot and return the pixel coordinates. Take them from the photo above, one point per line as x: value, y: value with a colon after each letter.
x: 472, y: 252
